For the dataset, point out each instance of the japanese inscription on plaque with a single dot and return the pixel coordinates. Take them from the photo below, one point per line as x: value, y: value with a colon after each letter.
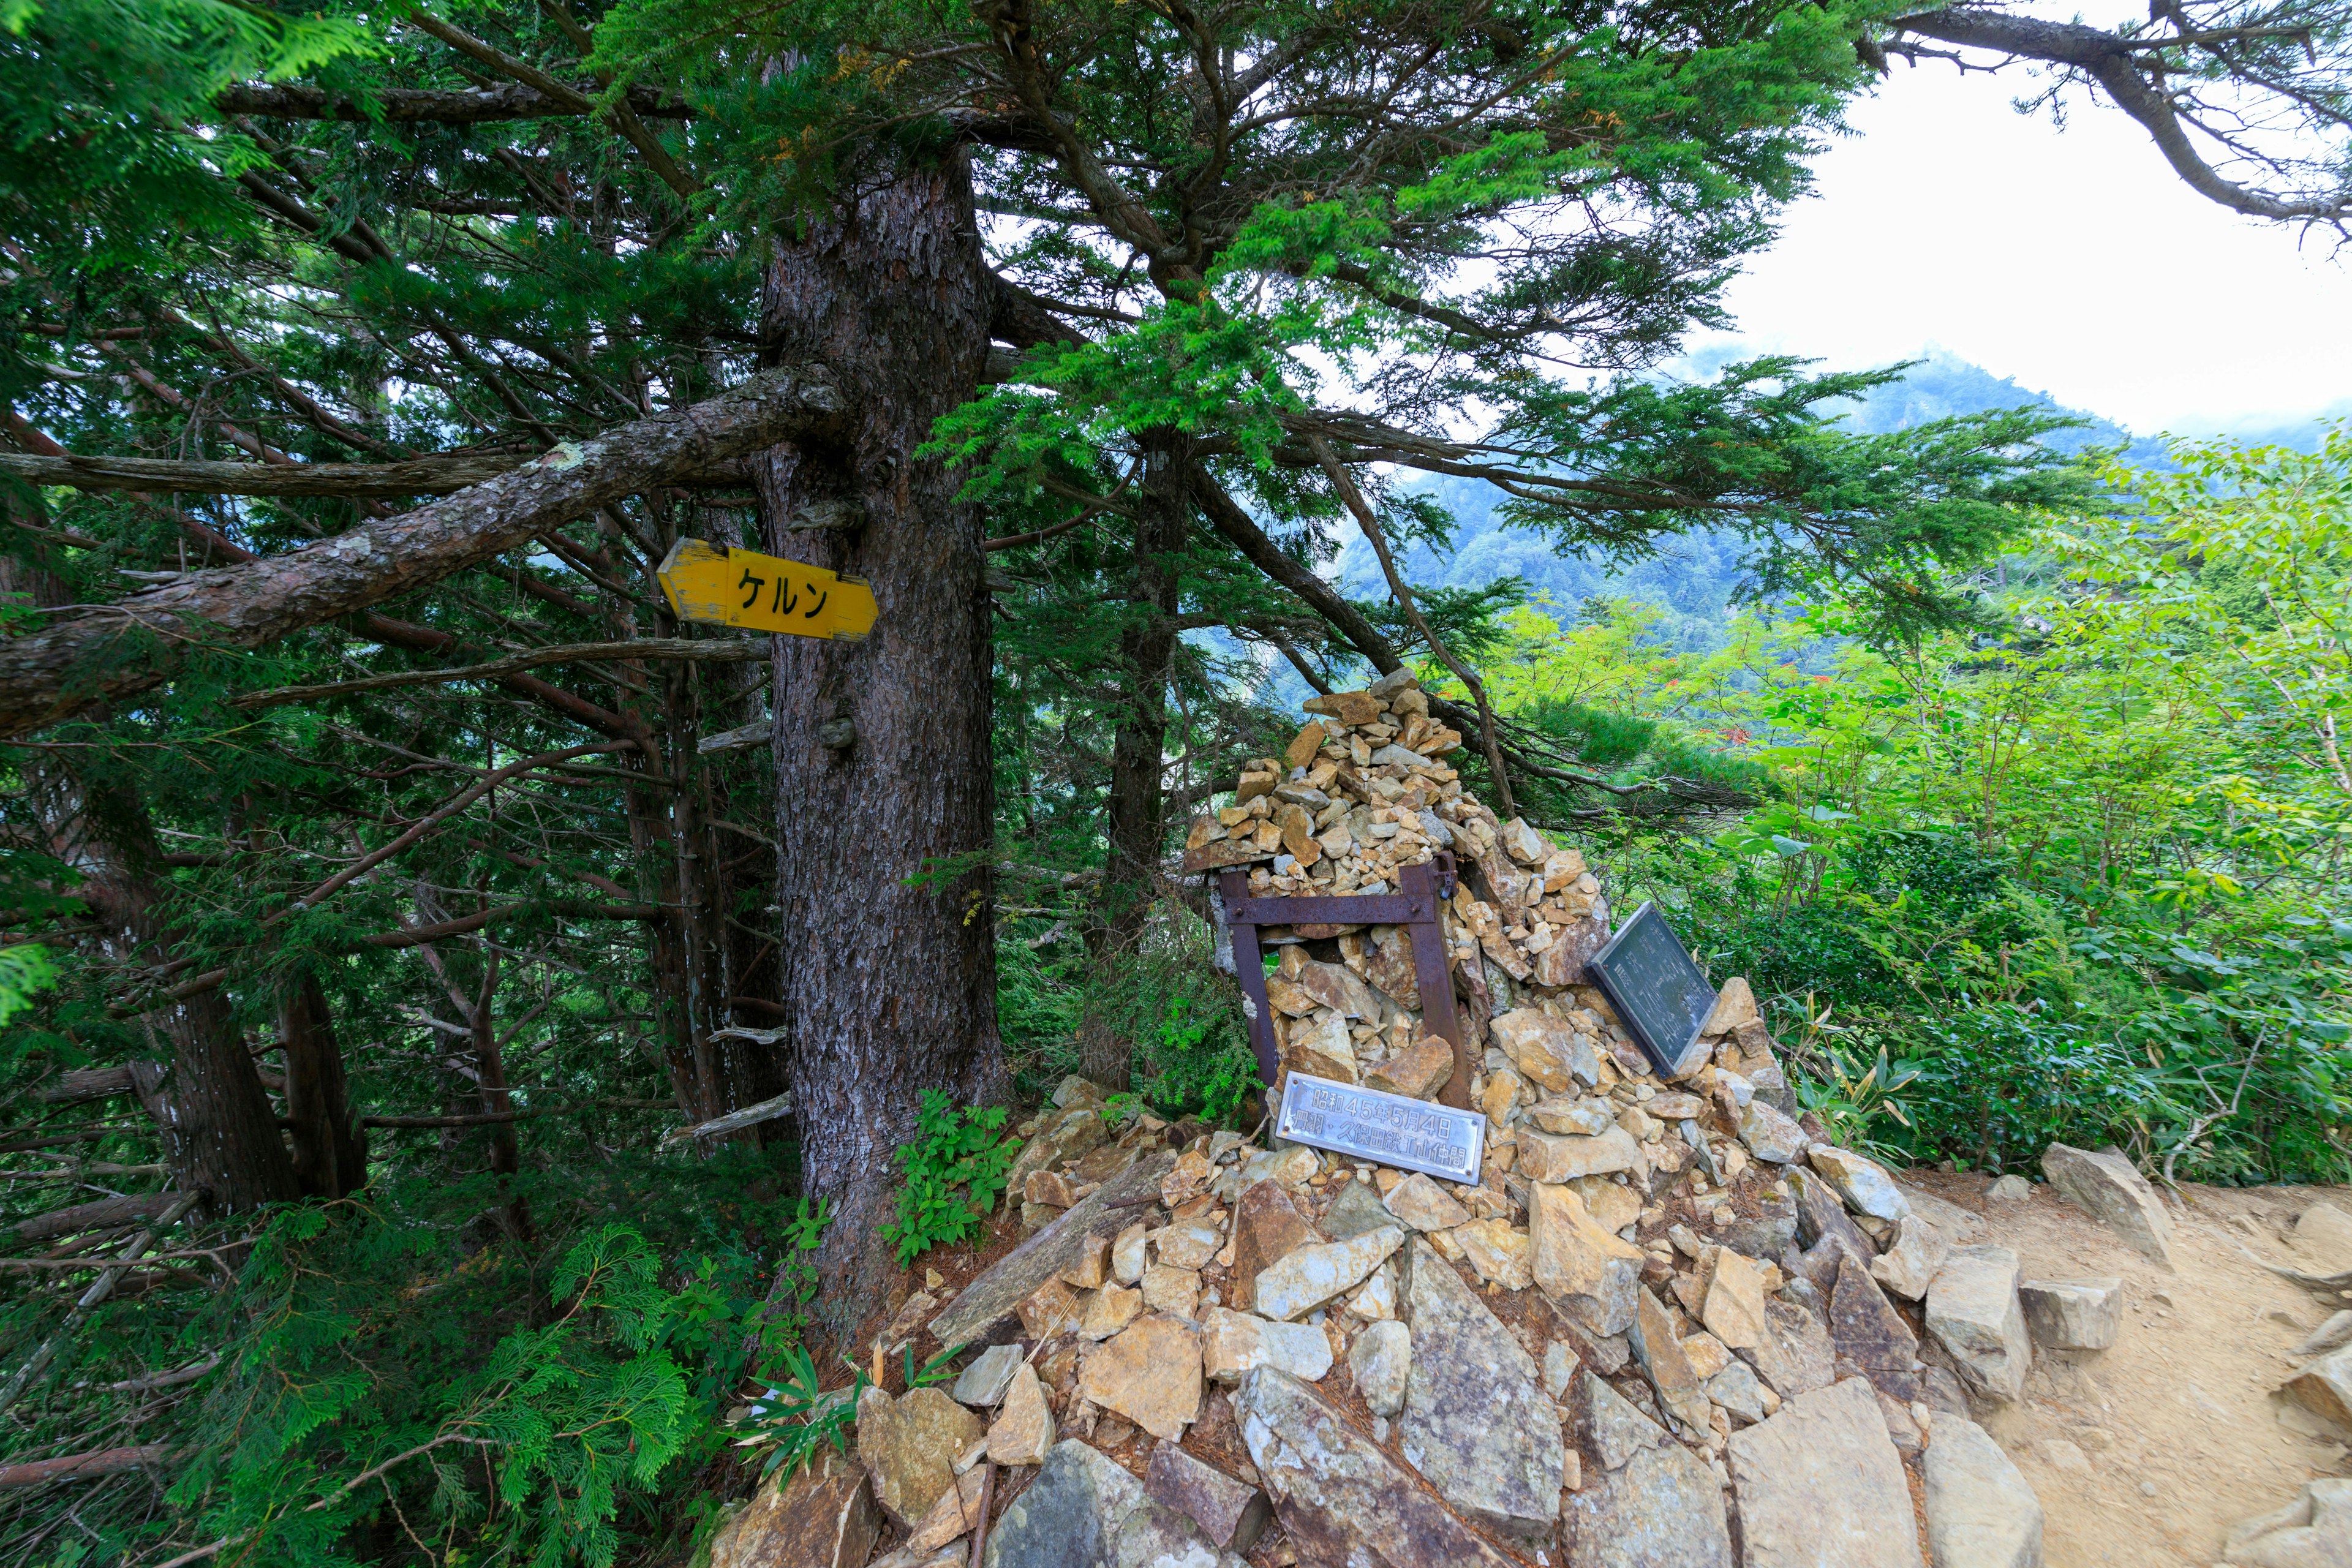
x: 1387, y: 1129
x: 1656, y: 990
x: 764, y: 593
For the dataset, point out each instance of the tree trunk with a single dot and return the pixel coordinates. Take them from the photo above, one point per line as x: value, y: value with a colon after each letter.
x: 220, y: 1131
x: 1140, y: 744
x: 889, y: 988
x: 329, y: 1150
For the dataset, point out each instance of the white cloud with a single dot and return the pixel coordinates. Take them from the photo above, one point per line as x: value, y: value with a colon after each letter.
x: 2074, y: 262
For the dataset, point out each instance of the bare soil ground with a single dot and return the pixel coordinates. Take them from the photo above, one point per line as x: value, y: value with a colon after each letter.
x: 2145, y: 1454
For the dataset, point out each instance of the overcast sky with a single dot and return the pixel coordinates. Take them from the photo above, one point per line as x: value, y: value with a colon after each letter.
x: 2076, y: 262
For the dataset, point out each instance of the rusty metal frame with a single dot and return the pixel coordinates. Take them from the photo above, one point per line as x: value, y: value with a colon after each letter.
x: 1426, y: 887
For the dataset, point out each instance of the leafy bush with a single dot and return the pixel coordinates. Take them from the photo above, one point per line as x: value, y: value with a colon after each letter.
x: 955, y: 1167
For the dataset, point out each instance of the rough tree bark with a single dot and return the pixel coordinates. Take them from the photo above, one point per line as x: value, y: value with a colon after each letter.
x: 329, y: 1150
x: 1137, y: 805
x: 882, y: 746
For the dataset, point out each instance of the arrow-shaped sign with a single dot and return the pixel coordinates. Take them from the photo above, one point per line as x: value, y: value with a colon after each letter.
x: 707, y: 581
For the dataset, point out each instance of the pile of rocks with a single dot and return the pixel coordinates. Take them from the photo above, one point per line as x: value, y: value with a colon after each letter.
x: 1670, y: 1327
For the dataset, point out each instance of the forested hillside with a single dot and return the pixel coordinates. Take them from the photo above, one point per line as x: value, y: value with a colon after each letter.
x: 472, y: 1015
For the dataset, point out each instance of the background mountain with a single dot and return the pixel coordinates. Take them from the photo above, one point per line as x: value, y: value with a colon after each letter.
x: 1692, y: 579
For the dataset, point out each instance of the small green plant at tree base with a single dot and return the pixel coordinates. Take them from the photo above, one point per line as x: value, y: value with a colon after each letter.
x: 955, y: 1167
x: 794, y: 1418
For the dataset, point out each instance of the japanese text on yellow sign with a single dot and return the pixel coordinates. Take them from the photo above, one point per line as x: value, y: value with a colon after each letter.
x: 764, y: 593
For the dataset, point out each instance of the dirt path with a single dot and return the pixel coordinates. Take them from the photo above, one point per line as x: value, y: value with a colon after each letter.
x: 2145, y: 1454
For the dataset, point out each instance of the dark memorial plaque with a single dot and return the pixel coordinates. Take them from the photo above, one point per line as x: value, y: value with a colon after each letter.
x: 1387, y: 1129
x: 1656, y: 990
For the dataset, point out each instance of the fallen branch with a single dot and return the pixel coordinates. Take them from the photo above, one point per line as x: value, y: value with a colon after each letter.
x: 85, y: 1083
x: 92, y: 1298
x: 87, y: 1467
x: 98, y: 1216
x: 734, y: 1120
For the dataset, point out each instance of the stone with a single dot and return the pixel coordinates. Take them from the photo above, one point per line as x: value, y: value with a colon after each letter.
x: 1909, y: 1265
x: 1498, y: 1254
x: 982, y: 1383
x: 2107, y: 1187
x: 1862, y: 1184
x: 1866, y: 1331
x: 1268, y: 1226
x: 2325, y: 1388
x: 1149, y: 1371
x: 1974, y: 1313
x: 1187, y: 1244
x: 824, y: 1517
x: 1822, y: 1212
x: 1307, y: 1277
x: 1376, y: 1297
x: 1546, y: 1050
x: 1379, y: 1361
x: 1523, y: 842
x: 1585, y: 1270
x: 1176, y: 1291
x: 1023, y: 1429
x: 1051, y: 1188
x: 1052, y: 1309
x: 1418, y: 1072
x: 1477, y: 1422
x: 1092, y: 1268
x: 1961, y: 1225
x: 2323, y: 1234
x: 1735, y: 1005
x: 909, y: 1446
x: 1662, y: 1360
x: 1063, y: 1135
x: 1130, y: 1254
x: 2009, y: 1189
x: 1069, y: 1516
x: 2314, y: 1530
x: 1708, y: 1354
x: 1293, y: 1165
x: 1424, y: 1206
x: 1734, y: 1311
x: 1557, y: 1157
x: 1321, y: 1048
x: 1822, y: 1486
x: 1234, y: 1344
x: 957, y: 1511
x: 1740, y: 1395
x: 987, y: 1305
x: 1112, y: 1309
x: 2337, y: 1331
x: 1649, y: 1502
x: 2072, y: 1314
x: 1353, y: 709
x: 1981, y: 1514
x: 1613, y: 1203
x: 1232, y: 1513
x: 1770, y: 1135
x: 1341, y: 1497
x: 1357, y: 1211
x: 1585, y: 1118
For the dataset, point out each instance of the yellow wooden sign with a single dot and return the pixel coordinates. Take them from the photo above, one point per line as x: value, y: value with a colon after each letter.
x: 709, y: 582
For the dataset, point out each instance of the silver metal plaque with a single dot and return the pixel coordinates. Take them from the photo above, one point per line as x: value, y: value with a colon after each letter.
x: 1386, y: 1129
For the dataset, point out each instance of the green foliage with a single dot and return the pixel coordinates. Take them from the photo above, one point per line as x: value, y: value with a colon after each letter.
x: 2081, y: 881
x: 955, y: 1166
x: 25, y: 971
x: 794, y: 1419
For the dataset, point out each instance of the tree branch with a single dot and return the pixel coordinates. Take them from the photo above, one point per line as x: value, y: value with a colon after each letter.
x: 724, y: 650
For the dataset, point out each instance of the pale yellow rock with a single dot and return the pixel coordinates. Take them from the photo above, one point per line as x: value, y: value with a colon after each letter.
x: 1113, y: 1308
x: 1093, y: 1266
x: 1129, y: 1254
x: 1498, y: 1254
x: 1612, y: 1205
x: 1024, y: 1427
x: 1187, y: 1244
x: 1709, y: 1355
x: 1149, y: 1373
x: 1421, y: 1204
x: 1563, y: 1157
x: 1502, y: 1093
x: 1307, y: 1277
x: 1588, y: 1271
x: 1176, y: 1291
x: 1734, y: 1311
x: 1375, y: 1300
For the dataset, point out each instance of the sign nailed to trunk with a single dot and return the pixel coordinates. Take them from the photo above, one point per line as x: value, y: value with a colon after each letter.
x: 709, y: 582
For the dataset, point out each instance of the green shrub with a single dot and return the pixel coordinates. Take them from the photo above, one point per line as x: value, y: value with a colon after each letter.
x: 955, y: 1167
